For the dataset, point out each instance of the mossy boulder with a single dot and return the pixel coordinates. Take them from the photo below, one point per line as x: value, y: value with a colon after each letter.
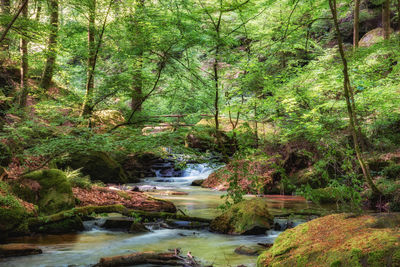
x: 12, y: 211
x: 53, y: 190
x: 5, y: 155
x: 204, y: 139
x: 244, y: 218
x: 338, y: 240
x: 98, y: 165
x: 68, y: 225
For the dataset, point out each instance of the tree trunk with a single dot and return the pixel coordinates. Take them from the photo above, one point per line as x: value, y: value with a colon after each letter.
x: 348, y: 92
x: 137, y: 85
x: 5, y: 11
x: 386, y: 19
x: 24, y: 63
x: 356, y: 26
x: 398, y: 15
x: 91, y: 61
x: 51, y: 47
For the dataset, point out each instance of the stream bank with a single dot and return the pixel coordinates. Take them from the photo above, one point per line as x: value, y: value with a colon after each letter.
x: 86, y: 247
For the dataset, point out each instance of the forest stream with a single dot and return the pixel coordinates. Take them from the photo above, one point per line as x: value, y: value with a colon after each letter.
x: 87, y: 247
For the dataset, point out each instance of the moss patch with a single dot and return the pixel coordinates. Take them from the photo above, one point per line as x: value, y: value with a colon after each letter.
x: 98, y: 165
x: 55, y: 192
x: 246, y: 217
x: 338, y: 240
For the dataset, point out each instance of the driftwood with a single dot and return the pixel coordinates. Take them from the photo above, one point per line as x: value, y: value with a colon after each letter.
x: 137, y: 258
x: 89, y: 210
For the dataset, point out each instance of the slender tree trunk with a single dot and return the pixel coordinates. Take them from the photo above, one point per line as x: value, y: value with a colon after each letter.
x: 38, y: 10
x: 5, y: 11
x: 356, y: 26
x: 24, y: 64
x: 386, y: 19
x: 398, y: 15
x: 216, y: 84
x: 22, y: 7
x: 137, y: 84
x: 47, y: 74
x: 348, y: 92
x: 91, y: 61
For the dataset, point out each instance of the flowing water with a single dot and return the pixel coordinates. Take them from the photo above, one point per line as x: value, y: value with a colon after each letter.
x: 87, y: 247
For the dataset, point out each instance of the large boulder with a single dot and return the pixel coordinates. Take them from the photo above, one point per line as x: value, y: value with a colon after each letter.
x: 49, y: 189
x: 98, y: 165
x: 13, y: 211
x: 148, y: 164
x: 372, y: 37
x: 204, y: 139
x: 338, y: 240
x: 244, y: 218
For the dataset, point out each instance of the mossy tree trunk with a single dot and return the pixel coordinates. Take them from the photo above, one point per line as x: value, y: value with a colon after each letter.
x: 51, y: 46
x: 350, y: 103
x: 5, y: 11
x: 91, y: 60
x: 137, y: 83
x: 356, y: 27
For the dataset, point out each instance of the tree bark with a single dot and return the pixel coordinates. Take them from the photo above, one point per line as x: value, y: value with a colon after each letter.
x: 398, y: 15
x: 356, y: 26
x: 48, y: 71
x: 386, y: 19
x: 137, y: 83
x: 349, y: 96
x: 91, y: 61
x: 5, y: 11
x: 24, y: 63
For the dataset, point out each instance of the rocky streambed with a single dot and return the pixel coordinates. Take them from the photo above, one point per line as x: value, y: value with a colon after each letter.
x: 105, y: 237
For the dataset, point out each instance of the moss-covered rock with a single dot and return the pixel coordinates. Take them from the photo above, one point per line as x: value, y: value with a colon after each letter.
x: 5, y: 155
x: 52, y: 192
x: 338, y: 240
x: 246, y: 217
x: 205, y: 138
x: 98, y: 165
x: 68, y: 225
x: 12, y: 211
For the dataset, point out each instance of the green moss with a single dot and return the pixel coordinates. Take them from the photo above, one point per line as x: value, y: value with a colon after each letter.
x: 392, y: 171
x: 336, y: 240
x: 98, y: 165
x: 246, y: 217
x: 55, y: 193
x: 12, y: 213
x: 68, y: 225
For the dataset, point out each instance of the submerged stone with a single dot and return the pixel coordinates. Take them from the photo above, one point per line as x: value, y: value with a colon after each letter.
x: 244, y: 218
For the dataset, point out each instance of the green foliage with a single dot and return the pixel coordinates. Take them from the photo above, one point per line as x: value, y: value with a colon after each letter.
x: 77, y: 179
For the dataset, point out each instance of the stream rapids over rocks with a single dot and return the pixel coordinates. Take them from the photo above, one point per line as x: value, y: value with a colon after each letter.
x: 87, y: 247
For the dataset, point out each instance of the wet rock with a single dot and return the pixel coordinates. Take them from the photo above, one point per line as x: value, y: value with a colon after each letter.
x: 121, y: 223
x: 147, y: 164
x: 249, y: 251
x: 186, y: 224
x: 16, y: 250
x: 245, y: 218
x: 138, y: 228
x: 68, y: 225
x: 198, y: 182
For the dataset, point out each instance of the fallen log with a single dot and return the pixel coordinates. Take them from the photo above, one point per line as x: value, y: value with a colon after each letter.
x: 90, y: 210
